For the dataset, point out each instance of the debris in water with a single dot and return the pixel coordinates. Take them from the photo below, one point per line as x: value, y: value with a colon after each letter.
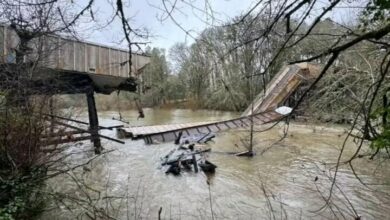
x: 187, y: 158
x: 248, y: 153
x: 208, y: 167
x: 195, y: 138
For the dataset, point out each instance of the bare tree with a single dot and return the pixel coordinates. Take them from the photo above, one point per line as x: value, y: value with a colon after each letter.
x: 28, y: 155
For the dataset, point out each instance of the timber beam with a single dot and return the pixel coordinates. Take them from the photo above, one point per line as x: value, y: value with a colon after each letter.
x: 93, y: 122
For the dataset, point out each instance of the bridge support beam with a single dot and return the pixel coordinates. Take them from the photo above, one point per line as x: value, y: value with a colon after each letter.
x: 93, y: 121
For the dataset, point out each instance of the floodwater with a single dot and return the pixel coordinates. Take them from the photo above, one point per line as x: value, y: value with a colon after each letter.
x: 288, y: 178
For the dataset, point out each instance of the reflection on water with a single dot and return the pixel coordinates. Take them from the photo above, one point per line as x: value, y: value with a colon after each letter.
x: 286, y: 179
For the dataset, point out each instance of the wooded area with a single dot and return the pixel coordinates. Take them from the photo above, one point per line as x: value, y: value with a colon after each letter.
x: 224, y: 67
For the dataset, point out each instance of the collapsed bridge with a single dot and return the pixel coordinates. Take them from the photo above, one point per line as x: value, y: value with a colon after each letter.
x: 264, y: 109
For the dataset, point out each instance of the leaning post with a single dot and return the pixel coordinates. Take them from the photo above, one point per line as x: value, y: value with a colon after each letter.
x: 93, y: 121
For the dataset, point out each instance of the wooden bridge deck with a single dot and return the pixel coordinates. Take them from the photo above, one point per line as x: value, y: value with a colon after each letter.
x: 166, y: 133
x: 283, y: 84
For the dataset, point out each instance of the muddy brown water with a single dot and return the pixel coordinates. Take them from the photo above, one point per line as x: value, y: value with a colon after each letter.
x: 287, y: 179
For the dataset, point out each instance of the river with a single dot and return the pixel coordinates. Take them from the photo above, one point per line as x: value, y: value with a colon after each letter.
x: 288, y: 178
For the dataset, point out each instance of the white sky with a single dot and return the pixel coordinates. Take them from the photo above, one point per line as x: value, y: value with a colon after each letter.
x: 146, y: 14
x: 165, y: 32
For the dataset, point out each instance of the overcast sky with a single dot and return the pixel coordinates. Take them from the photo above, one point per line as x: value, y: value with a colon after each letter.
x: 148, y: 14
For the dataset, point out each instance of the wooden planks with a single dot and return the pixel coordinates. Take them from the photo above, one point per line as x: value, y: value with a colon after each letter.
x: 93, y: 61
x: 73, y: 55
x: 282, y: 86
x: 165, y: 133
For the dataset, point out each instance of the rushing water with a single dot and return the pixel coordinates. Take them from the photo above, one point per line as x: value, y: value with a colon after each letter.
x: 287, y: 179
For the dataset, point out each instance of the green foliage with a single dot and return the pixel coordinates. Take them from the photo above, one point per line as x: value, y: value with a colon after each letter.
x: 20, y: 133
x: 22, y: 163
x: 174, y: 88
x: 381, y: 140
x: 220, y: 99
x: 377, y: 12
x: 17, y: 197
x: 154, y: 78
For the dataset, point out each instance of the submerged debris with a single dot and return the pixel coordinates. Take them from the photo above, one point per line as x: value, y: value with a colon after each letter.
x: 208, y: 167
x: 195, y: 138
x: 187, y: 155
x: 187, y: 158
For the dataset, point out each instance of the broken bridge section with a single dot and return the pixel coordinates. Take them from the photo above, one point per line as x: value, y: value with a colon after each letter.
x: 282, y: 86
x: 266, y: 108
x: 166, y: 133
